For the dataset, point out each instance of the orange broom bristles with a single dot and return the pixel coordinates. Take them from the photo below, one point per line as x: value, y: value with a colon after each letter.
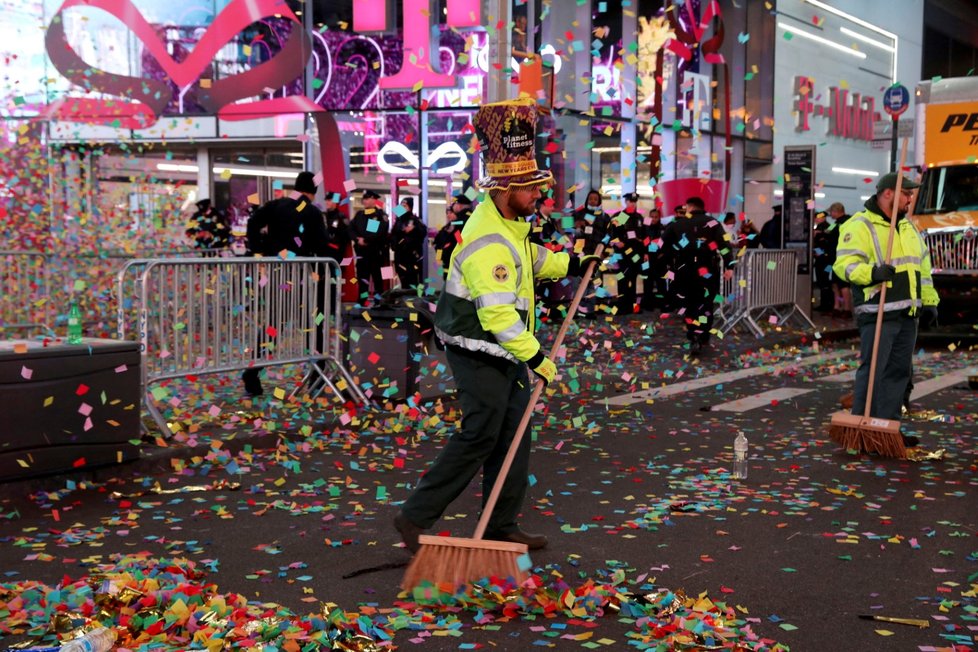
x: 450, y: 562
x: 457, y: 561
x: 868, y: 434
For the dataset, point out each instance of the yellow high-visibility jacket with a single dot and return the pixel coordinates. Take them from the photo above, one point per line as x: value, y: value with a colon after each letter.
x: 863, y: 241
x: 487, y: 303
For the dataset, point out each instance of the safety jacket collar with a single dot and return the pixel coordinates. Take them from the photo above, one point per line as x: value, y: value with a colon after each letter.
x: 514, y: 229
x: 877, y: 214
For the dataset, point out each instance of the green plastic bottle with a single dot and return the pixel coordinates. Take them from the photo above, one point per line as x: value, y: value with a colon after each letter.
x: 74, y: 324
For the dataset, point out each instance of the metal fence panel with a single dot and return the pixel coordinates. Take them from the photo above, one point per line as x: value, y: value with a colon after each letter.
x: 764, y: 281
x: 207, y: 315
x: 25, y: 296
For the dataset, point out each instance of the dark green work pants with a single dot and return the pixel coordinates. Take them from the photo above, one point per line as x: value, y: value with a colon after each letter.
x: 493, y: 394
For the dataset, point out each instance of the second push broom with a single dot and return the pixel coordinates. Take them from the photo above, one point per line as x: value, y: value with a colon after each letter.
x: 449, y: 562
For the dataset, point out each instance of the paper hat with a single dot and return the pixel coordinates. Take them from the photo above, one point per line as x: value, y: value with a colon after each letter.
x: 507, y: 136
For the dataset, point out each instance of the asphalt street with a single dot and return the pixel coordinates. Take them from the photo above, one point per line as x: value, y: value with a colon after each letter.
x: 277, y: 501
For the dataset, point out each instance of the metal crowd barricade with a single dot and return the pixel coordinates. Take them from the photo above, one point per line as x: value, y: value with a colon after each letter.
x: 211, y: 315
x: 25, y: 292
x: 734, y: 293
x: 764, y: 283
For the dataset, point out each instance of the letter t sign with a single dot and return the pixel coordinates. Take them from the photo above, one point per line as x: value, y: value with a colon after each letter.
x: 371, y: 16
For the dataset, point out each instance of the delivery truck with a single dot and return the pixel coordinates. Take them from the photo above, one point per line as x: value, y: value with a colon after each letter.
x: 946, y: 206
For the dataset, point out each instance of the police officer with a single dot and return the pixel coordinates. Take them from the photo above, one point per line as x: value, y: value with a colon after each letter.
x: 693, y: 245
x: 281, y: 226
x: 628, y: 242
x: 370, y: 231
x: 910, y: 294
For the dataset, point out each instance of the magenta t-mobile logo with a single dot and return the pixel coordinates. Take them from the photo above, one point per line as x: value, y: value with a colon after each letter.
x: 417, y: 70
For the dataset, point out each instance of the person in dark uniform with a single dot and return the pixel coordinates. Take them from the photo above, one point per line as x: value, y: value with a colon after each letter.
x: 286, y: 225
x: 772, y: 233
x: 369, y: 231
x: 447, y: 237
x: 824, y: 240
x: 407, y: 241
x: 842, y: 295
x: 654, y: 295
x: 694, y: 245
x: 546, y: 231
x: 628, y: 242
x: 209, y: 229
x: 337, y: 230
x: 591, y: 222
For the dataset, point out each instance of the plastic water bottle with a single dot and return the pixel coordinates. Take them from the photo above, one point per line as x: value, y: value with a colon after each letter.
x: 97, y: 640
x: 740, y: 457
x: 74, y: 324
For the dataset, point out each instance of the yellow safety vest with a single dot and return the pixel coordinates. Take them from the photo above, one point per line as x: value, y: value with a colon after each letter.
x: 863, y: 241
x: 487, y: 303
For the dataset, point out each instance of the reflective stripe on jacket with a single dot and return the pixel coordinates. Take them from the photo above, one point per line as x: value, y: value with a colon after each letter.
x: 487, y: 303
x: 862, y: 245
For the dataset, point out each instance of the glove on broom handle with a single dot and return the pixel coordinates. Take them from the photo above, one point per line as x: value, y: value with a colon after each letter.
x: 889, y: 255
x: 497, y: 487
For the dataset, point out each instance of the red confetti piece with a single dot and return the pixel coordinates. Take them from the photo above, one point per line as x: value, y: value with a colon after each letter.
x: 82, y: 390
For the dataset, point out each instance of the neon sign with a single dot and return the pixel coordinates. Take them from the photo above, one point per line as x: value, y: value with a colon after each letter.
x: 447, y: 150
x: 417, y: 70
x: 850, y: 116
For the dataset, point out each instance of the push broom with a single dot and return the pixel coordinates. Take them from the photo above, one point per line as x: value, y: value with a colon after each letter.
x: 863, y: 432
x: 448, y: 562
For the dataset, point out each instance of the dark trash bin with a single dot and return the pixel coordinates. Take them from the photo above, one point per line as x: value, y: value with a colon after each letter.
x: 67, y: 407
x: 393, y: 351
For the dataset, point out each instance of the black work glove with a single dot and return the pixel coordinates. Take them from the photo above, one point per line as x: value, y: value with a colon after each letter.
x: 883, y: 273
x: 578, y: 265
x: 928, y: 317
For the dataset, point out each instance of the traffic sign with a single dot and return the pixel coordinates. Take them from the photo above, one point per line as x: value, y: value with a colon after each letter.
x: 896, y: 99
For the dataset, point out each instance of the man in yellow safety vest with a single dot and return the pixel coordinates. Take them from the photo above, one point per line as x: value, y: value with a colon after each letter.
x: 485, y: 317
x: 910, y: 295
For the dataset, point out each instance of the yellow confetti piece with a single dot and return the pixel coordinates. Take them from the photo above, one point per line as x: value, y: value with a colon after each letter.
x: 883, y: 632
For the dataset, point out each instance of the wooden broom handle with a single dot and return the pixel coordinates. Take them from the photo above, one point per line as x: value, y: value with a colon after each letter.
x: 889, y: 255
x: 497, y: 486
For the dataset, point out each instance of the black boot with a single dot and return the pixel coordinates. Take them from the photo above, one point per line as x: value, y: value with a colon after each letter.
x: 252, y: 382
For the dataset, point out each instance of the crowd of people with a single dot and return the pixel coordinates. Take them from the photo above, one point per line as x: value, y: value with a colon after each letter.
x: 648, y: 264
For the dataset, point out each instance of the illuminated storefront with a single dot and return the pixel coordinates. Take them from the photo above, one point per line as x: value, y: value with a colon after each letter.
x: 228, y: 99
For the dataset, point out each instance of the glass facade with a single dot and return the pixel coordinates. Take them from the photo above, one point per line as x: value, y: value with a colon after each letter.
x: 220, y: 100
